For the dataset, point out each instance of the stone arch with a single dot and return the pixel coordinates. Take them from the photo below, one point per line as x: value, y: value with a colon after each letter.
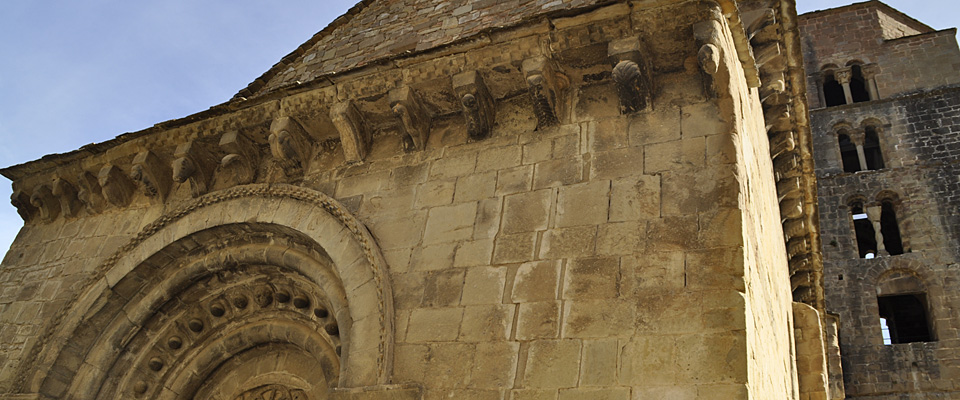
x: 304, y: 238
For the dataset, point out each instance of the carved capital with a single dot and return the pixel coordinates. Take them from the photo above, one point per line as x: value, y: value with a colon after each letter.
x: 843, y: 75
x: 21, y: 201
x: 414, y: 120
x: 478, y: 106
x: 89, y: 192
x: 238, y: 166
x: 151, y: 174
x: 870, y: 70
x: 289, y: 144
x: 631, y: 74
x: 545, y: 85
x: 68, y: 195
x: 194, y: 165
x: 354, y: 137
x: 44, y: 200
x: 115, y: 186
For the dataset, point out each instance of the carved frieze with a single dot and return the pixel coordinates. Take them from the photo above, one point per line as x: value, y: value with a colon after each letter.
x: 354, y: 137
x: 115, y: 186
x: 545, y: 84
x: 631, y: 74
x: 478, y: 106
x: 413, y: 119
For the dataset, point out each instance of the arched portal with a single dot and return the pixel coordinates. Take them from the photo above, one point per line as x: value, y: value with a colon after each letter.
x: 260, y: 290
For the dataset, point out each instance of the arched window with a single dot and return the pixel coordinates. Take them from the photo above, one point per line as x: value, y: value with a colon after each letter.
x: 858, y: 85
x: 890, y: 229
x: 863, y: 228
x: 833, y: 90
x: 902, y: 305
x: 871, y: 149
x: 848, y: 153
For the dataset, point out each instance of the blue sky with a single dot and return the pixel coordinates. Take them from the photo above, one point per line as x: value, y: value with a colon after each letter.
x: 79, y: 72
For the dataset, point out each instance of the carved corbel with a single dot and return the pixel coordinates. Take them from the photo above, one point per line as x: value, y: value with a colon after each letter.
x: 44, y: 200
x: 545, y: 85
x: 115, y: 185
x: 238, y: 165
x: 289, y: 143
x: 794, y: 228
x: 478, y: 106
x: 152, y: 175
x: 21, y: 201
x: 194, y: 164
x: 710, y: 56
x: 631, y: 74
x: 781, y: 143
x: 67, y: 195
x: 354, y: 137
x: 791, y: 208
x: 414, y: 120
x: 90, y: 193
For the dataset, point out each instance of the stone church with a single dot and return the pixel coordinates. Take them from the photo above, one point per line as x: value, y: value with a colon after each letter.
x: 516, y: 200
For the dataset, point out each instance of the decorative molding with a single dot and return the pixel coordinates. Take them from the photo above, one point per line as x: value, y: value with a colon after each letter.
x: 545, y: 84
x: 354, y: 137
x: 115, y: 185
x: 478, y: 105
x: 413, y: 119
x: 152, y: 175
x: 631, y: 74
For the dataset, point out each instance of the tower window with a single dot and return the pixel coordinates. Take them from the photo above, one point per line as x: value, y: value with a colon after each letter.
x: 871, y: 149
x: 905, y: 318
x: 833, y: 91
x: 848, y: 154
x: 890, y: 229
x: 858, y: 85
x: 866, y: 235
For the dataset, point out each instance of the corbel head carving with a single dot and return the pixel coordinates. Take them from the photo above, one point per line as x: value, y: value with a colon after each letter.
x: 545, y: 86
x: 354, y: 135
x: 413, y: 119
x: 151, y: 174
x: 238, y: 166
x: 478, y: 105
x: 115, y: 186
x: 67, y: 194
x: 289, y: 143
x: 193, y: 165
x: 21, y: 201
x: 44, y: 200
x: 631, y: 74
x: 89, y: 192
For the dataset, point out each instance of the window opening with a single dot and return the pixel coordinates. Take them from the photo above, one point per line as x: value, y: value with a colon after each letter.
x: 858, y: 85
x: 863, y: 228
x: 871, y: 149
x: 905, y: 318
x: 848, y: 154
x: 833, y: 91
x: 890, y: 229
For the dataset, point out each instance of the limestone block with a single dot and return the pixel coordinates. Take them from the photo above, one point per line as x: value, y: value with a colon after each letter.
x: 450, y: 223
x: 607, y: 134
x: 552, y: 364
x: 670, y: 312
x: 722, y: 392
x: 475, y: 252
x: 393, y: 202
x: 398, y: 232
x: 538, y: 320
x: 433, y: 258
x: 409, y: 361
x: 484, y: 285
x: 487, y: 323
x: 495, y: 365
x: 514, y: 180
x: 407, y: 290
x: 434, y: 324
x: 685, y: 193
x: 652, y: 271
x: 435, y: 193
x: 443, y: 288
x: 675, y: 155
x: 598, y: 318
x: 533, y: 394
x: 723, y: 310
x: 673, y: 233
x: 716, y: 269
x: 488, y: 219
x: 620, y: 238
x: 526, y: 212
x: 599, y: 362
x: 498, y: 158
x: 712, y: 358
x: 553, y: 173
x: 537, y: 151
x: 362, y: 183
x: 661, y: 125
x: 669, y: 392
x: 569, y: 242
x: 702, y: 119
x: 635, y: 198
x: 649, y: 361
x: 583, y: 204
x: 720, y: 149
x: 591, y: 278
x: 454, y: 166
x: 475, y: 187
x: 619, y: 393
x: 721, y: 228
x: 450, y: 365
x: 465, y: 394
x: 514, y: 248
x: 536, y: 281
x: 617, y: 163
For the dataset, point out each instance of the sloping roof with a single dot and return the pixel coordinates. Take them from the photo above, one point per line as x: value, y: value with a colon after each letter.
x: 378, y: 29
x: 881, y: 6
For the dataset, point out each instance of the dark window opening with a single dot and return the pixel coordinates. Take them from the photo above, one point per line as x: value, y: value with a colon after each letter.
x: 871, y: 149
x: 890, y: 229
x: 863, y: 228
x: 858, y: 85
x: 905, y: 317
x: 848, y: 154
x: 833, y: 92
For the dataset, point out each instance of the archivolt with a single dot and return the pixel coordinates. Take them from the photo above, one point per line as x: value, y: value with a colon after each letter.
x: 303, y: 215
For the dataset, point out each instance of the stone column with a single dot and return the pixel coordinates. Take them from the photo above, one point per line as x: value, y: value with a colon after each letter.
x: 857, y: 140
x: 870, y: 72
x: 843, y: 76
x: 873, y: 214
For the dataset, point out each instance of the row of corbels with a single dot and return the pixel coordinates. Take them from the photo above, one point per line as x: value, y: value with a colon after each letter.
x: 237, y: 159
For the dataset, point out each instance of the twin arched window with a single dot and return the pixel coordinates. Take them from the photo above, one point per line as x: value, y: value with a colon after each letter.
x: 876, y: 228
x: 852, y: 84
x: 860, y: 149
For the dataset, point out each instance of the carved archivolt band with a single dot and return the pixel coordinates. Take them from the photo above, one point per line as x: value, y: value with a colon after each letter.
x: 154, y: 237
